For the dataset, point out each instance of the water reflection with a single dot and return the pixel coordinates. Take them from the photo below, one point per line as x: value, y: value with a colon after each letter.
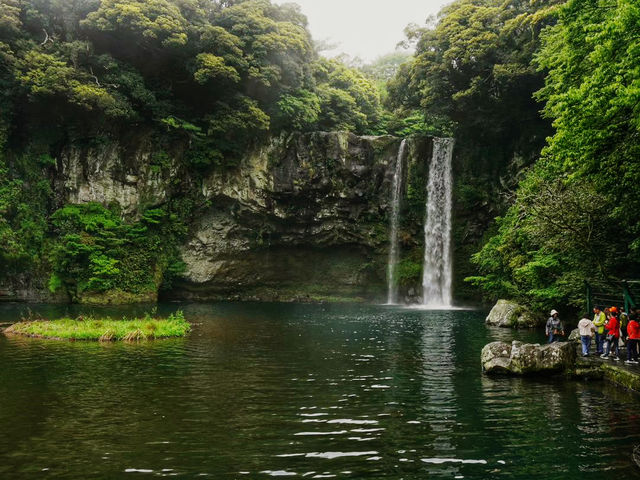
x: 261, y: 390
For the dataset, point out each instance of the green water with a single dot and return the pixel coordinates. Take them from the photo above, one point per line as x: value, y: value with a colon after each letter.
x: 262, y: 390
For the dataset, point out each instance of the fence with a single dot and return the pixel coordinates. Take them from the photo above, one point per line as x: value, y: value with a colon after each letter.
x: 623, y: 293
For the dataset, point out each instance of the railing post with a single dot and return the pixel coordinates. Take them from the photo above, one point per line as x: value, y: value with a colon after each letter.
x: 588, y: 293
x: 629, y: 302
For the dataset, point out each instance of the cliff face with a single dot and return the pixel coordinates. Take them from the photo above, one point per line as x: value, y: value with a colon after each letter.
x: 305, y: 217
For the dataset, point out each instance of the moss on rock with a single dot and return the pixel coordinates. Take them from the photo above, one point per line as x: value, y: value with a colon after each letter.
x: 621, y: 377
x: 510, y: 314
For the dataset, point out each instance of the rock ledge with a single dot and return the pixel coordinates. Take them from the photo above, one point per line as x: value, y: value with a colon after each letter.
x: 520, y: 358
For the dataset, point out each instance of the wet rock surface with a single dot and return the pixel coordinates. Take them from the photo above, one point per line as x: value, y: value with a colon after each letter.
x: 302, y: 217
x: 520, y: 358
x: 305, y: 218
x: 574, y: 336
x: 508, y: 314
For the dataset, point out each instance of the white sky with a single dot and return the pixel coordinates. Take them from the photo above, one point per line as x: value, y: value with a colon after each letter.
x: 364, y: 28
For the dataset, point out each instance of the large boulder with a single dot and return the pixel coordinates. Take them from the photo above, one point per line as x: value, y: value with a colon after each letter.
x: 510, y: 314
x: 523, y: 358
x: 496, y: 357
x: 574, y: 336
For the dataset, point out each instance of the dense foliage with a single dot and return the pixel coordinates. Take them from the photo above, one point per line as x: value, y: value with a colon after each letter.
x: 96, y: 251
x: 219, y: 71
x: 208, y: 78
x: 472, y: 77
x: 575, y: 214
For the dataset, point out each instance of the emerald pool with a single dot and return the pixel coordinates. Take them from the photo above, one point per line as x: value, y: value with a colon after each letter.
x: 261, y: 390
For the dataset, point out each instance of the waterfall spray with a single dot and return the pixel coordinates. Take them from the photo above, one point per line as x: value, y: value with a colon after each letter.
x: 396, y: 194
x: 437, y: 269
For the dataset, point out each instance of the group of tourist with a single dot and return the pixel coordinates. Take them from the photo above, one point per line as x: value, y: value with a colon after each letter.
x: 612, y: 328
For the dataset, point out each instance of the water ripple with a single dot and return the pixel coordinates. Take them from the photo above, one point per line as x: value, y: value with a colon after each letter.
x: 329, y: 391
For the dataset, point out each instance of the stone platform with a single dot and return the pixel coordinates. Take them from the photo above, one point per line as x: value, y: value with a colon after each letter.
x: 617, y: 372
x: 558, y: 359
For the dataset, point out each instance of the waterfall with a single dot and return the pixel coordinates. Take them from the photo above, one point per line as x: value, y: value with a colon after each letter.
x: 437, y: 272
x: 396, y: 194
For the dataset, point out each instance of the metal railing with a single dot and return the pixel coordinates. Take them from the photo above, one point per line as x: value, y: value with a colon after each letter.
x: 622, y: 293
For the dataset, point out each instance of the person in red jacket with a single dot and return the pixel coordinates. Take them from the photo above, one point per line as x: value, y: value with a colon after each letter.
x: 613, y: 335
x: 633, y: 331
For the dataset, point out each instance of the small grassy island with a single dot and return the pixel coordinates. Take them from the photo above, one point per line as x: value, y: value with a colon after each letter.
x: 103, y: 329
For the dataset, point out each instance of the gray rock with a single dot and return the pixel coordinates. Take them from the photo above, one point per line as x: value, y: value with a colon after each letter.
x: 23, y: 288
x: 495, y: 357
x: 98, y: 174
x: 574, y: 336
x: 523, y: 359
x: 510, y: 314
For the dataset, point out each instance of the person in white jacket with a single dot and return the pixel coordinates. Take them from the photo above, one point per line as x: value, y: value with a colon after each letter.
x: 587, y: 329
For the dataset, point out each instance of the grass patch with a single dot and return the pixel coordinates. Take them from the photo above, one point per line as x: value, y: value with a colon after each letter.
x: 103, y: 329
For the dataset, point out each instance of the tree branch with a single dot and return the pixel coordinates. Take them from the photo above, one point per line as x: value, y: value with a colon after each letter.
x: 94, y: 77
x: 47, y: 38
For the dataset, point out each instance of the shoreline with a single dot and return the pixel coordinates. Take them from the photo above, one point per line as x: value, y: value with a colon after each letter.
x: 614, y: 372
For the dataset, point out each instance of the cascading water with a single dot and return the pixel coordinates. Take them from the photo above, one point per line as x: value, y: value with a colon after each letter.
x: 437, y: 272
x: 396, y: 193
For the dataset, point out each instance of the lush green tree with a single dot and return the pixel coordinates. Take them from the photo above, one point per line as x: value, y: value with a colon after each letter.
x: 575, y: 214
x: 10, y: 22
x: 473, y: 68
x: 154, y: 22
x: 299, y: 110
x: 24, y: 205
x: 593, y: 96
x: 385, y: 67
x: 96, y: 251
x: 348, y: 100
x: 554, y: 237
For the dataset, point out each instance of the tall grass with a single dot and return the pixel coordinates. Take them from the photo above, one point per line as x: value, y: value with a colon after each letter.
x: 104, y: 329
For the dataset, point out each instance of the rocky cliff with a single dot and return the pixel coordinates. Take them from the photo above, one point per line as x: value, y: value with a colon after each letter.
x: 304, y: 217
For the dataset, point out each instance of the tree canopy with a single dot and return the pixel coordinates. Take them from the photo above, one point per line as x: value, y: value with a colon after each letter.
x: 575, y: 213
x: 472, y: 75
x: 234, y: 70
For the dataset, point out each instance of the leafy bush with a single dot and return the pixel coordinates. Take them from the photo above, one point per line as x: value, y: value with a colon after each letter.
x: 97, y: 251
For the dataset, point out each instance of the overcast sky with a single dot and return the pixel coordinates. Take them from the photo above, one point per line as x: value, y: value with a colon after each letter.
x: 365, y: 28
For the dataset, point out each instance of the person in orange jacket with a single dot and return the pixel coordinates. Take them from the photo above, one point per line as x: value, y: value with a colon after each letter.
x: 613, y: 335
x: 633, y: 331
